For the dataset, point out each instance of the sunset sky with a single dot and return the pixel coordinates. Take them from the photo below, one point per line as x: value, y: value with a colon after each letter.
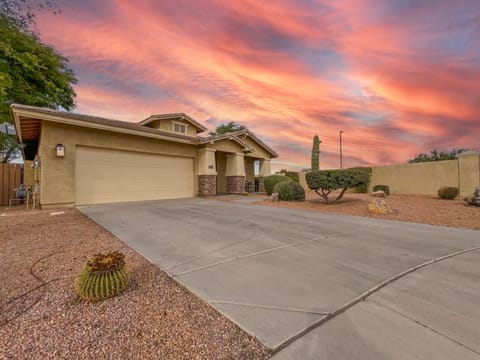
x: 399, y: 77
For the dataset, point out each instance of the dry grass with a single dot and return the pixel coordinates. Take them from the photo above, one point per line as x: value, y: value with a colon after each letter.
x: 154, y: 319
x: 418, y: 209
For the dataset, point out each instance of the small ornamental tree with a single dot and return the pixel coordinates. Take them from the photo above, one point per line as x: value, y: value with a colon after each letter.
x: 325, y: 181
x: 316, y: 154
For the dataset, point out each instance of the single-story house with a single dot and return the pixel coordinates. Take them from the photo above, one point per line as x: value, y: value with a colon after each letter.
x: 83, y: 159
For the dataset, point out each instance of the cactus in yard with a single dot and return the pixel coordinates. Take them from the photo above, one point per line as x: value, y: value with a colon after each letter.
x: 104, y: 276
x: 316, y: 153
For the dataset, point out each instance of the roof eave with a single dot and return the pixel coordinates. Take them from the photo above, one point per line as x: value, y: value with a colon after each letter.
x: 18, y: 112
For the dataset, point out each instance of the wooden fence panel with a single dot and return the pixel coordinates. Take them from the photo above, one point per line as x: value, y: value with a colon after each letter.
x: 10, y: 178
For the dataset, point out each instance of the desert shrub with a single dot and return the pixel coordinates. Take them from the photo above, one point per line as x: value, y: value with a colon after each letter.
x: 448, y: 192
x: 363, y: 188
x: 270, y: 181
x: 293, y: 175
x: 473, y: 199
x: 325, y: 181
x: 289, y: 191
x: 104, y: 276
x: 384, y: 188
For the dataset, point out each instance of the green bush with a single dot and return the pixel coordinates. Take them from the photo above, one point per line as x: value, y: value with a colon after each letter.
x: 325, y: 181
x: 289, y: 191
x: 384, y: 188
x: 270, y: 181
x: 293, y: 175
x: 448, y: 192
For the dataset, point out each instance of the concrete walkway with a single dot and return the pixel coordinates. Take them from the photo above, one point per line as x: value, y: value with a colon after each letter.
x: 279, y: 273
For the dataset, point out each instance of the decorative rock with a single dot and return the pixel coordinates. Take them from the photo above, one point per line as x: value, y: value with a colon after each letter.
x: 379, y: 206
x: 476, y: 193
x: 275, y: 197
x: 379, y: 193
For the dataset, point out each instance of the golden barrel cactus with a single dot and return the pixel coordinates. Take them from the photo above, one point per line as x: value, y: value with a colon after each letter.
x: 104, y: 276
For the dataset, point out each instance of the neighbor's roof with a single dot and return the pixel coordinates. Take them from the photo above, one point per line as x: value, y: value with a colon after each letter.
x: 173, y: 116
x: 235, y: 135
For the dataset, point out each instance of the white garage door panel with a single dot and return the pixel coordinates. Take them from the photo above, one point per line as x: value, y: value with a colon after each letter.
x: 105, y: 176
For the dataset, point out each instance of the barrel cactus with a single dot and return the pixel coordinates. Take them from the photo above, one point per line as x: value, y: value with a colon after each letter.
x: 104, y: 276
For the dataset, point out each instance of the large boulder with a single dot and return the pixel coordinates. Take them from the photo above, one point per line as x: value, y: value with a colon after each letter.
x: 379, y: 206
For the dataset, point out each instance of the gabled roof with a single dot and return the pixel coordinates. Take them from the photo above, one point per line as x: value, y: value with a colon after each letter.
x: 237, y: 136
x: 174, y: 116
x: 28, y: 120
x: 27, y: 111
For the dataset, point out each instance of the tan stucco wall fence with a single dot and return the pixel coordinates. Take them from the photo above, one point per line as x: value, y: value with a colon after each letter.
x: 427, y: 177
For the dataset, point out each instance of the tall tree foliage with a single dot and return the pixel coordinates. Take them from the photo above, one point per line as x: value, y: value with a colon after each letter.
x: 31, y: 73
x: 436, y: 155
x: 22, y: 12
x: 226, y: 128
x: 316, y: 154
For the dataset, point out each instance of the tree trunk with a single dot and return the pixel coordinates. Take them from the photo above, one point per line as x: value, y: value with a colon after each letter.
x: 324, y: 195
x: 341, y: 194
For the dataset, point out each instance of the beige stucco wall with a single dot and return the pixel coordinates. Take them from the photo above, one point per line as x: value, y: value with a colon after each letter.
x: 469, y: 172
x: 58, y: 174
x: 416, y: 179
x: 226, y: 145
x: 426, y: 178
x: 167, y: 125
x: 258, y: 152
x: 206, y: 162
x: 28, y: 173
x: 302, y: 181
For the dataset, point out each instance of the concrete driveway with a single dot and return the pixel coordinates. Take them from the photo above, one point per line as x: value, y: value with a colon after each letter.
x: 294, y: 278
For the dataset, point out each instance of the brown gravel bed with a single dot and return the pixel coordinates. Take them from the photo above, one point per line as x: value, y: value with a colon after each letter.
x: 418, y: 209
x: 154, y: 319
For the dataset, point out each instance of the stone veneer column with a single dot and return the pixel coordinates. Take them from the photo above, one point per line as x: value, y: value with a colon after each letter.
x: 206, y: 172
x: 265, y: 171
x: 235, y: 184
x: 235, y: 173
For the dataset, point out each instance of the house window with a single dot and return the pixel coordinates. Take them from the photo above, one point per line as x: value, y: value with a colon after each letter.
x: 179, y: 128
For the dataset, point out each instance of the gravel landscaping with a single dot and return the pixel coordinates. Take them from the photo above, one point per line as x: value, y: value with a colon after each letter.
x: 42, y: 318
x: 418, y: 209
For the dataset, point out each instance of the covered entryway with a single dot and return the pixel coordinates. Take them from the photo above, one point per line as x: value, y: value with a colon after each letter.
x: 108, y: 176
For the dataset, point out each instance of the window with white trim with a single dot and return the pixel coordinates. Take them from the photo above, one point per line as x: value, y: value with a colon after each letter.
x: 180, y: 128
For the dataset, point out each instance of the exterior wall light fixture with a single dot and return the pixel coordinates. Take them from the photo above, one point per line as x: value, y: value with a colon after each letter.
x: 60, y: 149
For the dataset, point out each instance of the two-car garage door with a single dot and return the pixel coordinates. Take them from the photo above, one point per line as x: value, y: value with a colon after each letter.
x: 106, y: 176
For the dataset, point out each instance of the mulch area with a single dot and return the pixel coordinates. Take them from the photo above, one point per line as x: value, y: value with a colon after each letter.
x: 41, y: 316
x: 418, y: 209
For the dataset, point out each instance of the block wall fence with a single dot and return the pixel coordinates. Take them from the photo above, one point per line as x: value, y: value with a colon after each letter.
x: 426, y: 178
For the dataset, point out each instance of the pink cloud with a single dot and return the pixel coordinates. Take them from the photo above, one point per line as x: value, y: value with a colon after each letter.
x: 395, y: 82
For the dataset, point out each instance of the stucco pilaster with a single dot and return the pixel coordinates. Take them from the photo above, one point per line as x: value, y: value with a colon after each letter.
x: 206, y: 162
x: 265, y: 169
x: 235, y: 165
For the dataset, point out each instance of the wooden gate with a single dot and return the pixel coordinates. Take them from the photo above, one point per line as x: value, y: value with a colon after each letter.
x: 10, y: 178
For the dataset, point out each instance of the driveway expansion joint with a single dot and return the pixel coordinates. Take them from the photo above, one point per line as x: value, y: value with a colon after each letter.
x: 399, y: 313
x: 268, y: 307
x: 261, y: 252
x: 365, y: 295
